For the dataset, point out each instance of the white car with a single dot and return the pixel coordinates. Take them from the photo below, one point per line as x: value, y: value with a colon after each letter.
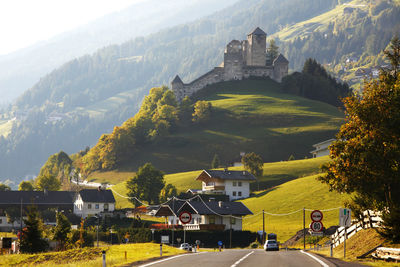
x: 185, y: 246
x: 271, y: 245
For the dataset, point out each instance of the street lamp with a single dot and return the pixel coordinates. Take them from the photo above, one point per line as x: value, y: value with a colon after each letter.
x: 152, y: 234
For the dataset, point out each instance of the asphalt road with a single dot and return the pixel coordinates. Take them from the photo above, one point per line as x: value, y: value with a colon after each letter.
x: 245, y: 258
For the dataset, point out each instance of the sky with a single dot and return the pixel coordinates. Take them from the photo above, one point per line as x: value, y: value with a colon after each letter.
x: 26, y: 22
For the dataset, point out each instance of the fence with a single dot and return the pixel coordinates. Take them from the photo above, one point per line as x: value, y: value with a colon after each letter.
x: 370, y: 219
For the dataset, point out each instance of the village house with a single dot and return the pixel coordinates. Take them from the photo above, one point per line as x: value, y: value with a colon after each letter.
x: 322, y: 148
x: 235, y: 184
x: 93, y: 201
x: 211, y: 215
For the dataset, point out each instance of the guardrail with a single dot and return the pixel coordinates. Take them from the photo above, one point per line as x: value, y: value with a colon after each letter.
x: 387, y: 253
x: 370, y: 219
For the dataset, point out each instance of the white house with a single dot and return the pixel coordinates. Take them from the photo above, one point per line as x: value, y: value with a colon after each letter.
x: 212, y: 215
x: 93, y: 201
x: 235, y: 184
x: 322, y: 149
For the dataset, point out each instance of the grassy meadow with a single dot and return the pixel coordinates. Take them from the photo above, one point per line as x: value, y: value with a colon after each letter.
x: 275, y: 173
x: 91, y: 257
x: 289, y: 197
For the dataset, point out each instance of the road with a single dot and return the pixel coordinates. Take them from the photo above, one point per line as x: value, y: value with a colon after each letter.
x: 246, y: 258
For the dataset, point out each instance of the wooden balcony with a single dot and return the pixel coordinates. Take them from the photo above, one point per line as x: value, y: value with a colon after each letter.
x: 214, y: 188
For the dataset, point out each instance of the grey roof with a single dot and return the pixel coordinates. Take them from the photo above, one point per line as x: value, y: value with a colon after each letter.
x: 281, y: 59
x: 177, y: 79
x: 257, y: 31
x: 230, y: 175
x: 96, y: 195
x: 213, y: 207
x: 37, y: 197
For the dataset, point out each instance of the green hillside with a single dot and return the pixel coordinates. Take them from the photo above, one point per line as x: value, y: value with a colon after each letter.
x: 292, y: 196
x: 248, y: 115
x: 275, y: 173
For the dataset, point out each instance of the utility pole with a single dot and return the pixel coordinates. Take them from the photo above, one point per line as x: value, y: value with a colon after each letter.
x: 263, y: 233
x: 173, y: 219
x: 20, y: 219
x: 304, y: 228
x: 230, y: 232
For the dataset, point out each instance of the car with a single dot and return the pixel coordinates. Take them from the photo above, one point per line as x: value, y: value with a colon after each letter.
x: 271, y: 245
x: 186, y: 246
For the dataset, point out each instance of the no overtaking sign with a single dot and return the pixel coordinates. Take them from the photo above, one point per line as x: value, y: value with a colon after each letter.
x: 185, y: 217
x: 316, y: 216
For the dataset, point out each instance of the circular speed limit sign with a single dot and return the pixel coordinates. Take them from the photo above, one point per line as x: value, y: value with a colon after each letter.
x: 185, y: 217
x: 316, y: 216
x: 316, y: 226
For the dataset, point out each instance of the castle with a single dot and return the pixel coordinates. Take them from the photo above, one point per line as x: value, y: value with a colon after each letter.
x: 242, y: 59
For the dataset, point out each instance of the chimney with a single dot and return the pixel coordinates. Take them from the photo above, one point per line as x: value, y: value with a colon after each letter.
x: 220, y: 204
x: 45, y: 192
x: 244, y: 172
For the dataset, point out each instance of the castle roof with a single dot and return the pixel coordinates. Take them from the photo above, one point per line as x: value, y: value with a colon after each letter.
x: 281, y: 59
x: 257, y: 31
x: 177, y: 79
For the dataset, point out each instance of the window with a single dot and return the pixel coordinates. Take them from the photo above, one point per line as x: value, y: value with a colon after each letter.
x: 234, y: 183
x: 212, y: 219
x: 239, y: 193
x: 239, y: 183
x: 234, y: 193
x: 233, y: 220
x: 106, y: 206
x: 97, y: 206
x: 89, y: 206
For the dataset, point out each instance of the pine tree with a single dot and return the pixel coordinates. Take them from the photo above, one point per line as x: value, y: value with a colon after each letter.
x: 62, y: 230
x: 31, y: 237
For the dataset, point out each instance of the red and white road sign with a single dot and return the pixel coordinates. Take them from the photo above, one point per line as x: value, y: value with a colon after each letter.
x: 316, y: 216
x: 185, y: 217
x: 316, y: 226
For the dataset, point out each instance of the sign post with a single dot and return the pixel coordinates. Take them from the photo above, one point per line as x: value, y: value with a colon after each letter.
x: 185, y: 218
x: 345, y: 221
x: 316, y: 224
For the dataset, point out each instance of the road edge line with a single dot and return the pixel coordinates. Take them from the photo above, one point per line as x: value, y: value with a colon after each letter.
x: 315, y: 258
x: 241, y: 259
x: 170, y: 258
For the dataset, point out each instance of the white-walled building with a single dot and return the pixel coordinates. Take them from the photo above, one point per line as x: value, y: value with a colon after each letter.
x: 322, y: 149
x: 212, y: 215
x: 93, y: 201
x: 235, y: 184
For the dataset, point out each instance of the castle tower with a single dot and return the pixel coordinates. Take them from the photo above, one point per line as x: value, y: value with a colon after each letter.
x: 233, y: 61
x: 281, y: 67
x: 177, y: 87
x: 257, y: 46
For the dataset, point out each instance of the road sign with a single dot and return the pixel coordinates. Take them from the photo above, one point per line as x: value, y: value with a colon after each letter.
x: 165, y: 239
x: 185, y: 217
x: 316, y: 216
x: 219, y: 243
x: 345, y: 217
x: 316, y: 226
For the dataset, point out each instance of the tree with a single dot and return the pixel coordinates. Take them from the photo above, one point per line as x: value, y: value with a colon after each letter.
x: 202, y: 111
x: 167, y: 192
x: 4, y: 187
x: 215, y: 162
x: 365, y: 159
x: 48, y: 182
x: 31, y: 236
x: 62, y: 229
x: 253, y: 163
x: 146, y: 184
x: 26, y: 186
x: 272, y: 50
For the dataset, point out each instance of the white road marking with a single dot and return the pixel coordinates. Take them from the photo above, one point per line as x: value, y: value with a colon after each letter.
x: 239, y: 261
x: 170, y: 258
x: 315, y: 258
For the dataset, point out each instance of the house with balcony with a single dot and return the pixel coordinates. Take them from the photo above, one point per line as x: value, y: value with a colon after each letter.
x: 211, y: 215
x: 235, y: 184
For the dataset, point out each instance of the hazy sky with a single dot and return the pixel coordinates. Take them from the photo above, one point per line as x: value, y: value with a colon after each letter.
x: 25, y: 22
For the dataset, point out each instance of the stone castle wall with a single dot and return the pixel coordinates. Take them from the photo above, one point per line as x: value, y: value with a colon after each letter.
x: 242, y: 59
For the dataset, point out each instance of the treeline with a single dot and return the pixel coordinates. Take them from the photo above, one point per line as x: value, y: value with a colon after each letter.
x: 158, y: 116
x: 315, y: 83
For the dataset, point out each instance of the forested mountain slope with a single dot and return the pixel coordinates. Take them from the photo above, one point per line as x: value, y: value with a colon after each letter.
x: 69, y: 108
x: 21, y: 69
